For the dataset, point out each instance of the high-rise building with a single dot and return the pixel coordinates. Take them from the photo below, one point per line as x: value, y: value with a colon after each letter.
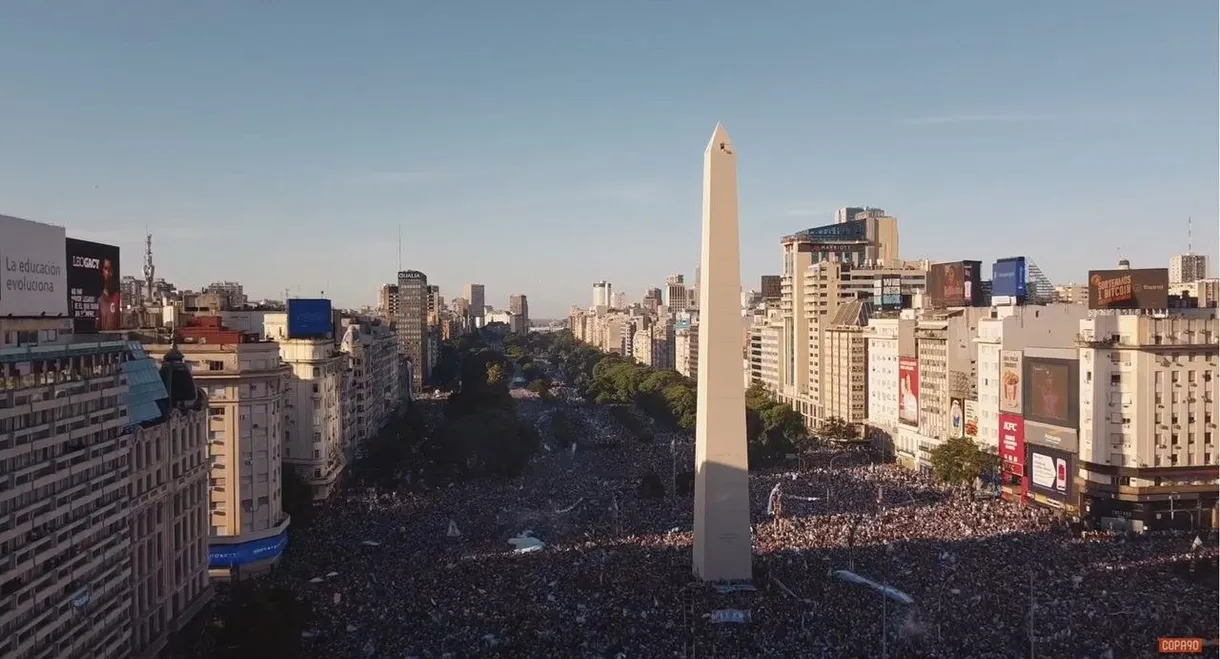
x: 412, y: 323
x: 232, y: 294
x: 1185, y: 268
x: 619, y: 301
x: 846, y: 214
x: 436, y: 304
x: 387, y: 301
x: 844, y: 365
x: 245, y: 384
x: 603, y: 294
x: 372, y: 396
x: 476, y: 295
x: 519, y: 310
x: 771, y: 287
x: 686, y: 351
x: 675, y: 294
x: 313, y: 435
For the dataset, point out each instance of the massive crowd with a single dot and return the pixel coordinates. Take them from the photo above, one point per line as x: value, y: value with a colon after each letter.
x: 427, y: 570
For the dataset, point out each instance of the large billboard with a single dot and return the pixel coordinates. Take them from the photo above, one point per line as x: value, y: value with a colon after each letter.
x: 1051, y: 391
x: 1008, y: 277
x: 227, y: 556
x: 852, y: 230
x: 33, y: 272
x: 887, y: 293
x: 957, y: 418
x: 94, y: 300
x: 309, y: 318
x: 908, y: 390
x: 955, y: 284
x: 1012, y: 443
x: 1011, y: 377
x: 1051, y: 473
x: 972, y: 418
x: 1041, y: 434
x: 1143, y: 289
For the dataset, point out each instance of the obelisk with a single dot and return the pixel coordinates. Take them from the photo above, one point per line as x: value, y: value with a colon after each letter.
x: 723, y: 546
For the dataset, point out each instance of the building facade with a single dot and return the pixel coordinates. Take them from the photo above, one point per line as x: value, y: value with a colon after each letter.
x: 313, y: 435
x: 1185, y: 268
x: 412, y: 323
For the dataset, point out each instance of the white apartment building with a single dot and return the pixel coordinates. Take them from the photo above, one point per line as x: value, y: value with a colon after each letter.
x: 887, y: 339
x: 1148, y: 437
x: 313, y: 433
x: 603, y: 294
x: 372, y: 395
x: 245, y: 384
x: 65, y: 545
x: 1015, y: 328
x: 686, y: 351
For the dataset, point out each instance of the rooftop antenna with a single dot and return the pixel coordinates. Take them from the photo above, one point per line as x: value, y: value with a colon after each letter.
x: 1189, y: 236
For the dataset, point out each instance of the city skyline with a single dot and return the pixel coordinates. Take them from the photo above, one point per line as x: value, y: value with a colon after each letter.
x: 982, y: 147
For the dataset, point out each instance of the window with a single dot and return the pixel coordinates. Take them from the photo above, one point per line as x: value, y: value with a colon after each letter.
x: 315, y: 387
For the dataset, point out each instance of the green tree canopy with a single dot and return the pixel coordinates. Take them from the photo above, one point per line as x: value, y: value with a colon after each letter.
x: 836, y: 429
x: 959, y: 461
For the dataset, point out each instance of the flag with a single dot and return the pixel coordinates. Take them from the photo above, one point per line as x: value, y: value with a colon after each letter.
x: 453, y: 531
x: 1197, y: 543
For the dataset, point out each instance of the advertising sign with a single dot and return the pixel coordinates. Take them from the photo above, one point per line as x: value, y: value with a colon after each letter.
x: 94, y: 300
x: 1012, y: 443
x: 957, y: 418
x: 1041, y: 434
x: 224, y: 556
x: 1143, y: 289
x: 954, y: 284
x: 1051, y: 473
x: 1008, y: 277
x: 1011, y: 377
x: 33, y: 272
x: 888, y: 293
x: 853, y: 230
x: 309, y: 318
x: 908, y: 390
x: 972, y: 418
x: 1051, y: 391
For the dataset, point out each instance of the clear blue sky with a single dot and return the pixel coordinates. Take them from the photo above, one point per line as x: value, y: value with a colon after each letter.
x: 538, y: 150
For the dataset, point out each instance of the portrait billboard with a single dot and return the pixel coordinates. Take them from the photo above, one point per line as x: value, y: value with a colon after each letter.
x: 972, y: 418
x: 1012, y: 443
x: 908, y: 390
x: 1008, y: 277
x: 33, y: 269
x: 1011, y: 377
x: 1143, y: 289
x: 1041, y: 434
x: 957, y: 418
x: 1051, y: 473
x: 954, y: 284
x: 309, y: 318
x: 1051, y: 391
x: 94, y: 300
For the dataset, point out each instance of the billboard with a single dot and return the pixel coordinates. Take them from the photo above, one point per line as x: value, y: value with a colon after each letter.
x: 1041, y: 434
x: 1051, y: 391
x: 309, y: 318
x: 1008, y: 277
x: 908, y: 390
x: 853, y: 230
x: 972, y: 418
x: 954, y: 284
x: 957, y: 418
x: 94, y: 300
x: 1051, y: 473
x: 1147, y: 288
x: 887, y: 293
x: 33, y: 272
x: 226, y: 556
x: 1011, y: 377
x: 1012, y: 443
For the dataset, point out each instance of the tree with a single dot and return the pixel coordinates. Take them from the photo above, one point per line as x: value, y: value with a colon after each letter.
x: 539, y: 387
x: 836, y: 429
x: 959, y: 461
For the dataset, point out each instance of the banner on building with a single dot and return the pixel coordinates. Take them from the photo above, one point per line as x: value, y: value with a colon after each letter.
x: 972, y: 418
x: 1011, y: 377
x: 957, y: 418
x: 908, y: 390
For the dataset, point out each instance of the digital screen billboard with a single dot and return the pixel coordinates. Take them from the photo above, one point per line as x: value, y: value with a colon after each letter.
x: 309, y: 318
x: 852, y: 230
x: 1008, y: 277
x: 226, y: 556
x: 33, y: 272
x: 1012, y: 443
x: 908, y: 390
x: 1143, y: 289
x: 1051, y: 472
x: 1051, y: 391
x: 1041, y: 434
x: 1011, y: 377
x: 955, y: 284
x: 94, y: 300
x: 957, y: 418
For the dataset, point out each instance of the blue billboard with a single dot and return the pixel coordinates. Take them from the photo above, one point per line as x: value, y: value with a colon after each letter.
x: 227, y: 556
x: 854, y: 230
x: 309, y: 318
x: 1008, y: 277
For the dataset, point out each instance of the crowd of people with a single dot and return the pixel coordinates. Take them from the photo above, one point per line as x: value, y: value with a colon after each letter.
x: 427, y: 569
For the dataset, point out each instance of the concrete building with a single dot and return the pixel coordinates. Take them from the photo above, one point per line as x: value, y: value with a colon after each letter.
x: 763, y: 353
x: 1184, y: 268
x: 436, y: 303
x: 888, y: 339
x: 1148, y: 441
x: 603, y: 294
x: 372, y: 396
x: 387, y: 301
x: 619, y: 301
x: 412, y: 322
x: 676, y: 295
x: 686, y: 351
x: 232, y: 293
x: 519, y: 307
x: 1072, y: 293
x: 245, y: 384
x: 476, y: 296
x: 1206, y: 291
x: 844, y: 366
x: 168, y: 518
x: 723, y: 548
x: 771, y: 288
x: 313, y: 436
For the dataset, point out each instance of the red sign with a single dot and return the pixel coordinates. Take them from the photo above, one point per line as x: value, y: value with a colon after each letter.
x: 1012, y: 443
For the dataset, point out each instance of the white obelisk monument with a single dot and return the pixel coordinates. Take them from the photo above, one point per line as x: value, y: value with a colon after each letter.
x: 723, y: 546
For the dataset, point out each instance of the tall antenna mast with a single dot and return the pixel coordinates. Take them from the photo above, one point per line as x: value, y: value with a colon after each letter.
x: 1189, y: 236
